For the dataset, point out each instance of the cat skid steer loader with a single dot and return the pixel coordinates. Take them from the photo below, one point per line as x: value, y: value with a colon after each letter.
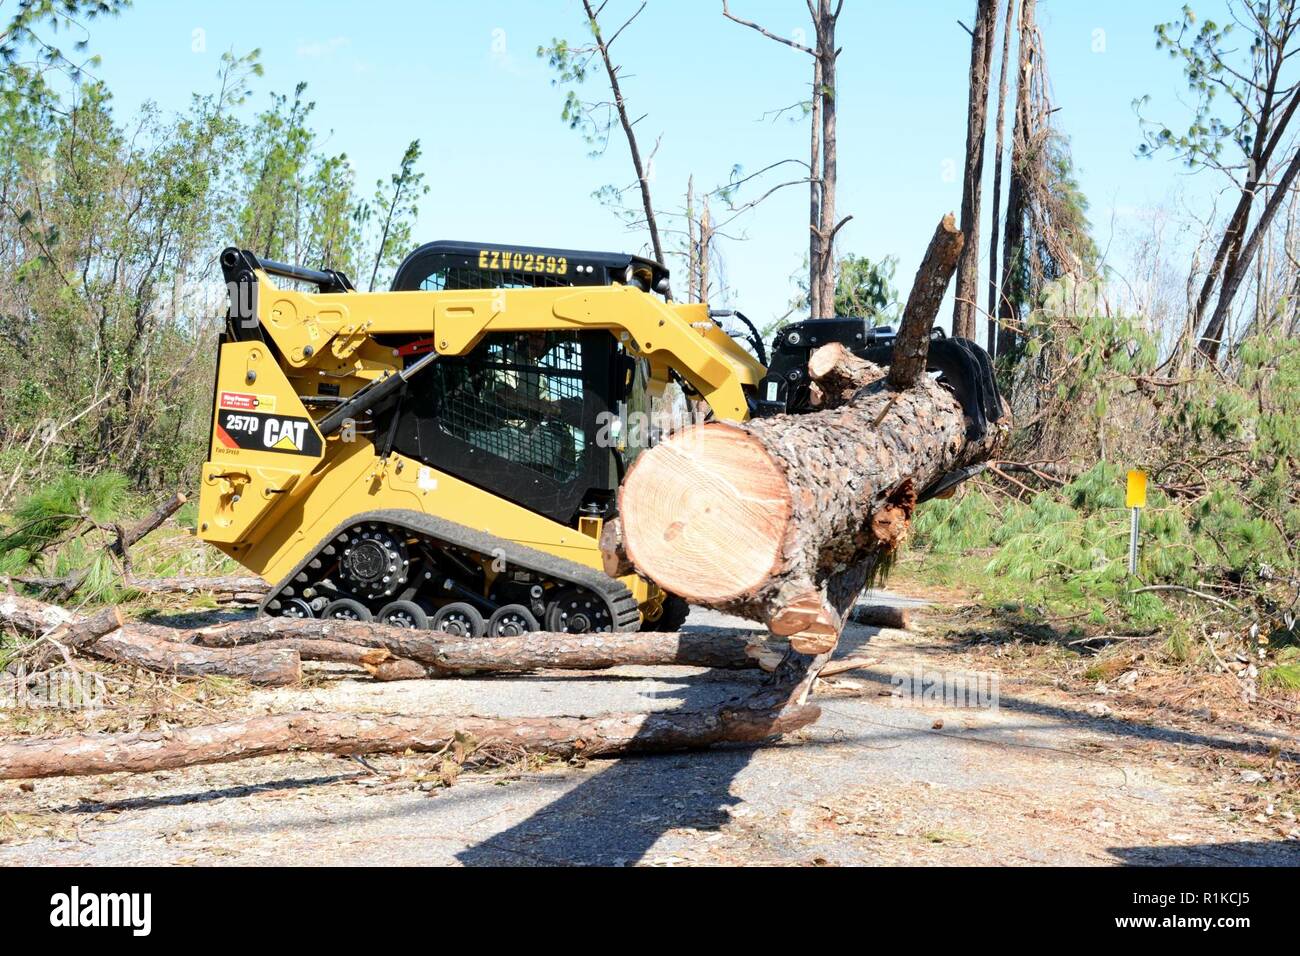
x: 445, y: 454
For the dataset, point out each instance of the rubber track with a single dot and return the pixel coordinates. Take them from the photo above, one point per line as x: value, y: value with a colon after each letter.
x: 622, y: 605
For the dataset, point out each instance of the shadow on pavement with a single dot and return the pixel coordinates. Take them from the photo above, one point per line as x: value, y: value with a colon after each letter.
x: 617, y: 815
x: 1275, y: 853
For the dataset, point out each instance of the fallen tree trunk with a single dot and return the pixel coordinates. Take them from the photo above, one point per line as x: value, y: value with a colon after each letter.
x: 58, y: 631
x: 243, y: 648
x: 233, y: 588
x: 443, y: 653
x: 785, y: 519
x: 49, y: 620
x: 268, y: 665
x: 881, y: 615
x: 103, y: 635
x: 358, y: 734
x: 399, y: 668
x: 334, y: 652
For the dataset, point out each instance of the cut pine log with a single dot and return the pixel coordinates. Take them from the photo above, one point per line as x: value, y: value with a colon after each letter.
x: 267, y: 665
x: 38, y: 619
x: 239, y: 589
x: 881, y: 615
x: 785, y: 519
x: 760, y: 519
x: 838, y: 374
x: 445, y: 654
x: 613, y: 557
x: 358, y: 734
x: 244, y: 648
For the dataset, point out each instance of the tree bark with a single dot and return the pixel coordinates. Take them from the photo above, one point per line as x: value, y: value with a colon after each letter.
x: 881, y: 615
x: 444, y: 654
x: 837, y: 375
x: 981, y: 58
x: 912, y: 344
x: 334, y: 652
x: 785, y: 519
x: 272, y: 666
x: 642, y: 176
x: 1014, y: 233
x: 994, y: 221
x: 1212, y: 340
x: 244, y: 589
x: 357, y: 734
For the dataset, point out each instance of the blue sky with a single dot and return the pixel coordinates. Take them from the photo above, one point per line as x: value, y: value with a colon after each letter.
x: 464, y: 78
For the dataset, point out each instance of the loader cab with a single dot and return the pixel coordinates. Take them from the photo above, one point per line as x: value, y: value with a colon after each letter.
x: 523, y: 414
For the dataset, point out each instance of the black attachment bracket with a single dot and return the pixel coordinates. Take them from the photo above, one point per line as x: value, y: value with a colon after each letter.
x: 963, y: 367
x: 238, y: 267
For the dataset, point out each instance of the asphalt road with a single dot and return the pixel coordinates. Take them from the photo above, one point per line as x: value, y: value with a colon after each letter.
x: 879, y: 779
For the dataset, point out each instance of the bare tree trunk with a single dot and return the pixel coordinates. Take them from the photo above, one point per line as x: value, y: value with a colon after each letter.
x: 1212, y: 340
x: 815, y: 310
x: 692, y: 250
x: 998, y: 151
x: 981, y: 58
x: 444, y: 654
x: 1224, y: 258
x: 357, y: 734
x: 827, y: 54
x: 1268, y: 134
x: 642, y: 176
x: 1014, y: 234
x: 823, y: 169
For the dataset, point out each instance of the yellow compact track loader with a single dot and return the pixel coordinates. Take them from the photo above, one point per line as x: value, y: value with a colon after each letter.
x: 445, y: 454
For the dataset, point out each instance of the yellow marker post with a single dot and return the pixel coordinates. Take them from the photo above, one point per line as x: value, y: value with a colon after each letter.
x: 1136, y: 499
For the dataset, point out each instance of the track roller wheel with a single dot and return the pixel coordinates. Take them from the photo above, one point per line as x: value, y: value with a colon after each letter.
x: 403, y: 614
x: 575, y: 611
x: 458, y: 619
x: 346, y: 609
x: 511, y: 620
x: 296, y: 607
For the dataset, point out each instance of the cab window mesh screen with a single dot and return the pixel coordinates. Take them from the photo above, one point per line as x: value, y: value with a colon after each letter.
x: 466, y: 278
x: 518, y: 396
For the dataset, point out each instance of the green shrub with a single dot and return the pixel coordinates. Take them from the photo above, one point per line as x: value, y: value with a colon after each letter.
x: 54, y: 508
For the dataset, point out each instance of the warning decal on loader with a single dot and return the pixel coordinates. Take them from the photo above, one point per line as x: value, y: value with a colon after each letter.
x: 244, y: 402
x: 255, y: 431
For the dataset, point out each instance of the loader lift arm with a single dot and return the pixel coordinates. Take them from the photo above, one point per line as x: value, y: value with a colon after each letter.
x: 327, y: 331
